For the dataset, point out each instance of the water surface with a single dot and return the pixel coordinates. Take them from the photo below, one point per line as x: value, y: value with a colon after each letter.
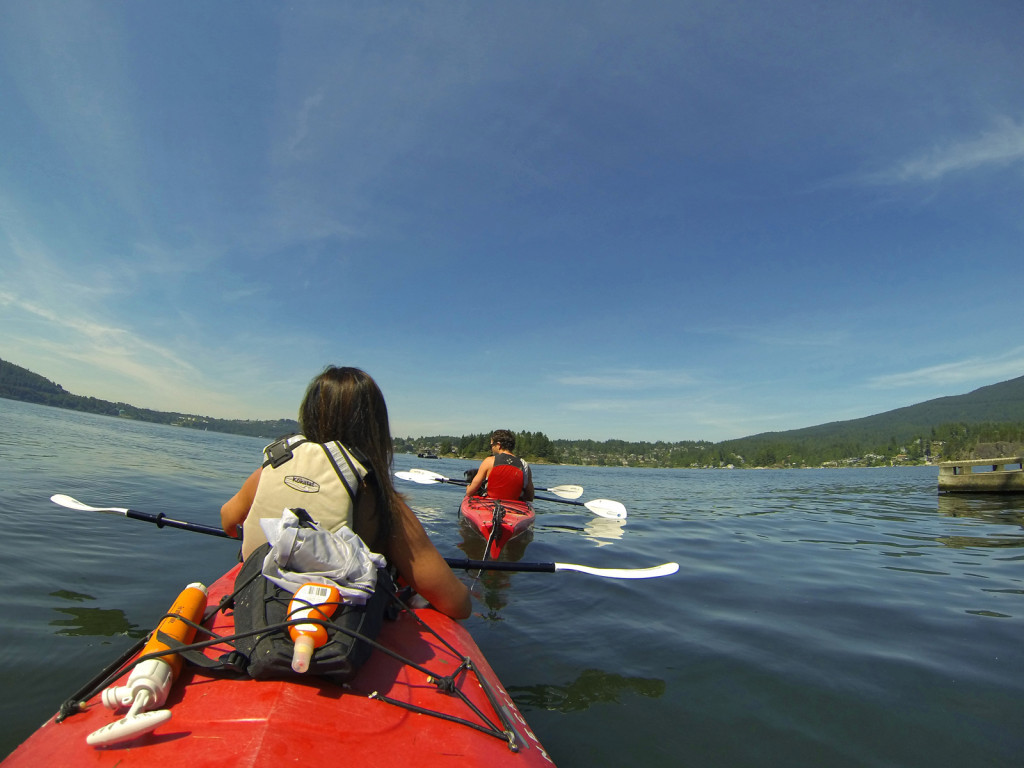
x: 820, y: 617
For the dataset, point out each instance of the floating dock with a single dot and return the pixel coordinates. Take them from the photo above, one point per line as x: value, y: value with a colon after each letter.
x: 1005, y: 475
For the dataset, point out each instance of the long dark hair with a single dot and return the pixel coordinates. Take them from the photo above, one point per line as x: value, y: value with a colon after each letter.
x: 345, y: 404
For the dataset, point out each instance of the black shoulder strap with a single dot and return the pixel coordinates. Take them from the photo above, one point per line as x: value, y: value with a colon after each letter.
x: 280, y: 450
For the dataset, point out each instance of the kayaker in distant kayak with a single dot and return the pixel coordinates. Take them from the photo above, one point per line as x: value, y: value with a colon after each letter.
x: 508, y: 477
x: 344, y: 422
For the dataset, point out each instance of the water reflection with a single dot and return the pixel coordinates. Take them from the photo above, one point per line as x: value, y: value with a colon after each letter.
x: 990, y: 508
x: 593, y: 686
x: 473, y: 544
x: 92, y: 622
x: 604, y: 531
x: 601, y: 530
x: 965, y: 542
x: 491, y: 587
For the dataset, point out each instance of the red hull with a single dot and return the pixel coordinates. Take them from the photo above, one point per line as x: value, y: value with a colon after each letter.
x: 220, y: 722
x: 479, y: 513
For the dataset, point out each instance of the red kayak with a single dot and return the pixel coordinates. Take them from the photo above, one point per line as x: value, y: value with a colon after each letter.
x: 439, y: 704
x: 497, y: 520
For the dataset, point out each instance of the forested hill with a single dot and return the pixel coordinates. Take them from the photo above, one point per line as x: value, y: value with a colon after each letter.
x: 17, y: 383
x: 984, y: 423
x: 1003, y: 402
x: 946, y: 426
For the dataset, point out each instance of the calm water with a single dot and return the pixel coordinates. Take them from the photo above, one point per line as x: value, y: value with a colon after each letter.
x: 820, y: 618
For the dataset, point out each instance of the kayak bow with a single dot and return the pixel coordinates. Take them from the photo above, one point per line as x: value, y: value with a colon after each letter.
x: 498, y: 521
x: 447, y: 707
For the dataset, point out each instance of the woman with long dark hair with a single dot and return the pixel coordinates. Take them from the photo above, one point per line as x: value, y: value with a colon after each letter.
x: 339, y: 471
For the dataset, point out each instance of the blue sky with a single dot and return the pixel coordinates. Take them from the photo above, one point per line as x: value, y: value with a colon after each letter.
x: 643, y: 220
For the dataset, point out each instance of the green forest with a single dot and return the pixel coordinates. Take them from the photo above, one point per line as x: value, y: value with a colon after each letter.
x: 944, y: 442
x: 985, y: 423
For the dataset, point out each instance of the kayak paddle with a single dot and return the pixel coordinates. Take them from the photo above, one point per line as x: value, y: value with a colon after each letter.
x: 426, y: 477
x: 160, y: 520
x: 602, y: 507
x: 665, y: 569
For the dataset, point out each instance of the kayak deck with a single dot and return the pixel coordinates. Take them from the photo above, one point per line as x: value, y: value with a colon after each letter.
x: 218, y: 721
x: 514, y: 519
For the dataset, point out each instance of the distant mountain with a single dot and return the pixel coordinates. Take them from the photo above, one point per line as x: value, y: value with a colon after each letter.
x: 981, y: 424
x: 997, y: 403
x: 17, y: 383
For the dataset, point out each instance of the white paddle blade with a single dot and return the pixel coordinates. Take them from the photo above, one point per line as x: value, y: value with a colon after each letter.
x: 566, y: 491
x: 613, y: 510
x: 665, y: 569
x: 70, y: 503
x: 428, y: 474
x: 415, y: 477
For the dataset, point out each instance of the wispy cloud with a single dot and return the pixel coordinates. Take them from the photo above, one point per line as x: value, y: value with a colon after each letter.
x: 95, y: 340
x: 680, y: 418
x: 793, y: 331
x: 309, y: 104
x: 1001, y: 146
x: 976, y: 369
x: 630, y: 379
x: 608, y: 406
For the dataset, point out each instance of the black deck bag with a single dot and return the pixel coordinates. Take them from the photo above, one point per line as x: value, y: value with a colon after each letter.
x: 260, y: 603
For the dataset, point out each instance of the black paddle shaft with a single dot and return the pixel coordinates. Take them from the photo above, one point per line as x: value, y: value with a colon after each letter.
x: 494, y: 565
x: 162, y: 521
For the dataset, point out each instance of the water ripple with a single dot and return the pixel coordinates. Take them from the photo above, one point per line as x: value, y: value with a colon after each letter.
x: 820, y: 617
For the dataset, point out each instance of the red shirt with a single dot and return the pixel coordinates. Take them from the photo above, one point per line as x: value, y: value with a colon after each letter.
x: 507, y: 477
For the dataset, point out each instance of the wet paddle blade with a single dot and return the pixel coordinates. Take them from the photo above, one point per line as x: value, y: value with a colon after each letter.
x: 613, y: 510
x: 665, y: 569
x: 565, y: 491
x: 419, y: 477
x: 70, y: 503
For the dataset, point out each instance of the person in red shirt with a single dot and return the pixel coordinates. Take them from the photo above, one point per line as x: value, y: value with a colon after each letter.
x: 507, y: 476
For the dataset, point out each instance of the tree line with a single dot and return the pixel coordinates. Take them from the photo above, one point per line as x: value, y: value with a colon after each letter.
x: 532, y: 446
x: 951, y: 441
x: 903, y: 436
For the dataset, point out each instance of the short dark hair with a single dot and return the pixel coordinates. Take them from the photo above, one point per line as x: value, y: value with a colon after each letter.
x: 505, y: 438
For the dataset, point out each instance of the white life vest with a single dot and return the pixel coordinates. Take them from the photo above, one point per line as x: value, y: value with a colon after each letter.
x: 321, y: 478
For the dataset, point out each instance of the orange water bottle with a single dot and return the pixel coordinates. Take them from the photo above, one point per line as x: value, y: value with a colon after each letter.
x: 310, y: 601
